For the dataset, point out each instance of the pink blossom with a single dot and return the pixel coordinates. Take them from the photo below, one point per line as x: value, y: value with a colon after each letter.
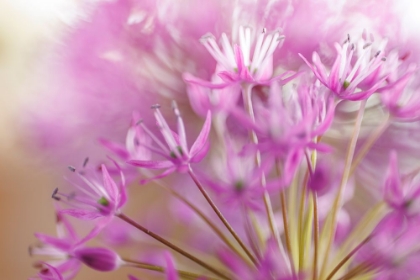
x: 71, y: 252
x: 178, y: 156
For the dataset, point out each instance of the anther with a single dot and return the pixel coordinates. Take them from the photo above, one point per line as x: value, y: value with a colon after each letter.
x: 378, y: 53
x: 54, y: 195
x: 367, y: 45
x: 156, y: 106
x: 139, y: 122
x: 206, y: 37
x: 85, y: 162
x: 281, y: 38
x: 383, y: 58
x: 347, y: 39
x: 264, y: 30
x: 352, y: 47
x: 71, y: 168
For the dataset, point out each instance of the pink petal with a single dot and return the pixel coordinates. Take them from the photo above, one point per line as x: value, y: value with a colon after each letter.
x: 109, y: 184
x: 202, y: 138
x: 116, y: 148
x: 58, y: 243
x: 82, y: 214
x: 164, y: 174
x: 193, y: 80
x: 151, y: 164
x: 171, y: 273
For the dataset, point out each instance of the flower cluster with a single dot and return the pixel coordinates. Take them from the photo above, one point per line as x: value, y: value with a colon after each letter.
x: 267, y: 190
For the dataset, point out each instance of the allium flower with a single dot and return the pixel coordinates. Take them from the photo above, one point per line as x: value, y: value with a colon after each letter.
x: 283, y: 193
x: 70, y: 251
x: 94, y: 199
x: 235, y: 65
x: 176, y: 152
x: 401, y: 193
x: 352, y: 80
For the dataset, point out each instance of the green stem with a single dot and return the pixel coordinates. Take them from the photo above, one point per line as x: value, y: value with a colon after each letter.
x: 331, y: 222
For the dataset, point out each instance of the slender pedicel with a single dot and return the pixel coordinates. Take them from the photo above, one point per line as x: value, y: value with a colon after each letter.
x: 348, y: 257
x: 172, y: 246
x: 220, y: 215
x: 147, y: 266
x: 246, y: 96
x: 344, y: 180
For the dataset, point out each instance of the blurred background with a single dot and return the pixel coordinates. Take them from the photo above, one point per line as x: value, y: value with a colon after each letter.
x: 26, y: 29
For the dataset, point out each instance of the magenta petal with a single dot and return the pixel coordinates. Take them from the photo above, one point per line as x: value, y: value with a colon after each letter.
x: 122, y: 192
x: 82, y: 214
x: 53, y: 273
x: 70, y: 233
x: 193, y: 80
x: 202, y: 138
x: 53, y: 241
x: 116, y: 148
x: 151, y: 164
x: 95, y: 231
x: 162, y: 175
x: 393, y: 189
x: 202, y: 153
x: 227, y: 76
x: 171, y: 273
x: 131, y: 277
x: 109, y: 184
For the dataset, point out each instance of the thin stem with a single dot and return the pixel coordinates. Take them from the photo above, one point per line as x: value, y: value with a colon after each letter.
x: 292, y: 211
x: 368, y: 222
x: 369, y: 143
x: 359, y: 269
x: 182, y: 273
x: 172, y: 246
x: 344, y: 179
x: 316, y: 236
x: 285, y: 218
x: 301, y: 219
x: 215, y: 229
x: 246, y: 95
x: 220, y: 215
x: 285, y: 221
x: 346, y: 258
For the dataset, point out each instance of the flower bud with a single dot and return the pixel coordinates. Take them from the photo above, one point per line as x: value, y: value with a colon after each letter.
x: 98, y: 258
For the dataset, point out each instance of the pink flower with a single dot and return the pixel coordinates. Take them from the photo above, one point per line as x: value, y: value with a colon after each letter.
x: 70, y: 251
x: 356, y: 73
x: 48, y: 272
x: 401, y: 96
x: 234, y: 63
x: 238, y: 182
x: 176, y: 153
x: 94, y: 199
x: 289, y: 121
x: 393, y: 250
x: 401, y: 193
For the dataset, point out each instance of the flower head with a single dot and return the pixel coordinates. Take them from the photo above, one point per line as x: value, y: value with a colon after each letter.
x: 71, y: 252
x: 177, y: 156
x: 234, y: 63
x: 356, y: 73
x: 95, y: 198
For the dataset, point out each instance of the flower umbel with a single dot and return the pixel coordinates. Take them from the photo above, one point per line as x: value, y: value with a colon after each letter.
x: 295, y: 184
